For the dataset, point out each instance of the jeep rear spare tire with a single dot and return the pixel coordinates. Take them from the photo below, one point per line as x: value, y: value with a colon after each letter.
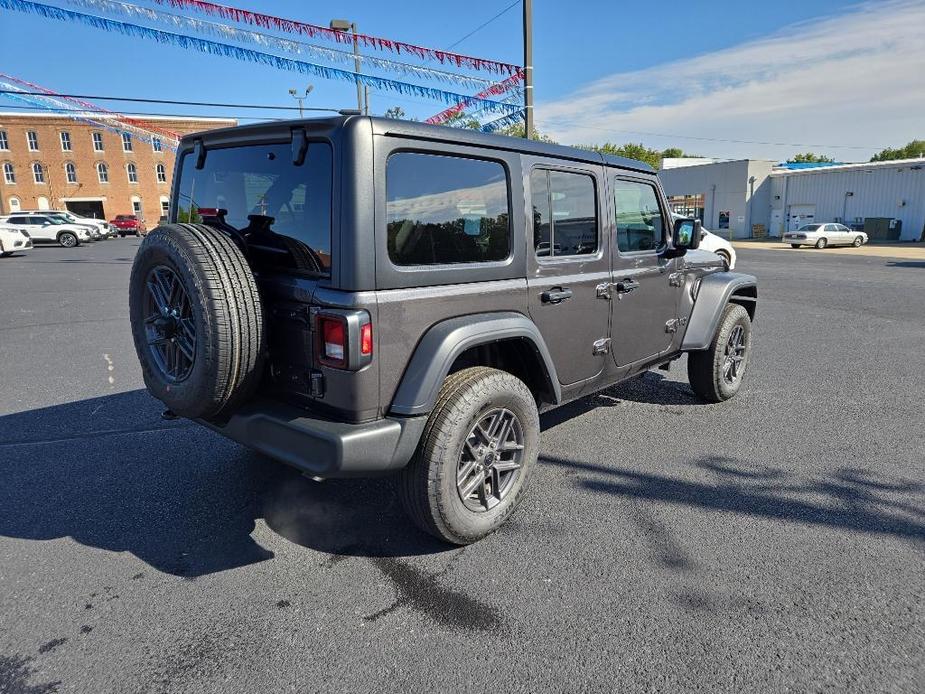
x: 196, y: 320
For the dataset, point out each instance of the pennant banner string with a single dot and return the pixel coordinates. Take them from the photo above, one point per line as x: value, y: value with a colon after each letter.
x: 462, y: 105
x: 291, y: 26
x: 231, y: 33
x: 250, y: 55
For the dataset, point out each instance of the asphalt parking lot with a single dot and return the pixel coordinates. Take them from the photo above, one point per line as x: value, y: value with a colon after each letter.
x: 772, y: 543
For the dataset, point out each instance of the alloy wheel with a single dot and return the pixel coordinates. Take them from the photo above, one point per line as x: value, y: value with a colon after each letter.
x: 491, y: 460
x: 169, y: 327
x: 734, y: 355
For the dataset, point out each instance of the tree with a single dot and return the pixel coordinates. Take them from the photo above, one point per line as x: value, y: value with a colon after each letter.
x: 461, y: 120
x: 913, y: 150
x: 395, y: 113
x: 809, y: 158
x: 519, y: 129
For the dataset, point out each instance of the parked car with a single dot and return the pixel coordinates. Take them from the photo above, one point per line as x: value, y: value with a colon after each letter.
x: 716, y: 244
x: 105, y: 230
x: 826, y: 234
x: 50, y: 229
x: 128, y: 224
x: 13, y: 239
x: 408, y: 314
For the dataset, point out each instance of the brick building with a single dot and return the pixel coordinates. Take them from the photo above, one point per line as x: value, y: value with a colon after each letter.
x: 54, y: 162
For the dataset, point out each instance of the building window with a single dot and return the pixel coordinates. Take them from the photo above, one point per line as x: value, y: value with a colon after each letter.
x: 38, y: 172
x: 132, y: 173
x: 161, y: 173
x: 65, y: 142
x: 42, y: 202
x: 14, y: 205
x: 9, y: 173
x: 126, y: 142
x: 71, y: 172
x: 165, y: 206
x: 33, y: 138
x: 156, y: 144
x: 136, y: 207
x: 103, y: 172
x: 4, y: 142
x: 97, y: 142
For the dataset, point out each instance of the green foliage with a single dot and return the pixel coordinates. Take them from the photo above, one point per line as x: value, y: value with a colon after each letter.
x: 913, y: 150
x: 809, y: 158
x: 518, y: 130
x: 639, y: 152
x: 395, y: 113
x: 189, y: 215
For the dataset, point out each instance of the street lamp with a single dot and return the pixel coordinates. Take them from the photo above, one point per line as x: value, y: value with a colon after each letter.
x: 294, y: 93
x: 347, y: 25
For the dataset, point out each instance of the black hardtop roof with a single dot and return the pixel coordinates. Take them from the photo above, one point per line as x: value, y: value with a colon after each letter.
x: 433, y: 133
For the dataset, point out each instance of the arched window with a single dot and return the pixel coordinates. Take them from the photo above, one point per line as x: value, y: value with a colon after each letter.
x: 102, y: 171
x: 14, y: 204
x: 71, y: 172
x: 38, y: 172
x: 132, y: 172
x: 161, y: 173
x: 42, y: 202
x: 9, y: 173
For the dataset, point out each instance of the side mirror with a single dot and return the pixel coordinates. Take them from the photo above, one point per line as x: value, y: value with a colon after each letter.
x: 686, y: 235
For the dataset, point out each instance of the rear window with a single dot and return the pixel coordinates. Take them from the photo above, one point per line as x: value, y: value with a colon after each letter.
x: 444, y: 209
x: 810, y: 227
x: 281, y: 211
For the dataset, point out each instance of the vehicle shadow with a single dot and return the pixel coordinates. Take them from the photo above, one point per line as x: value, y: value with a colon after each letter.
x: 851, y: 499
x: 111, y: 474
x: 906, y: 263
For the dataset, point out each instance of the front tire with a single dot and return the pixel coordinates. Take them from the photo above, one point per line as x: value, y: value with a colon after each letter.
x: 821, y: 243
x: 716, y: 373
x: 727, y: 259
x: 858, y: 242
x: 474, y: 458
x: 67, y: 239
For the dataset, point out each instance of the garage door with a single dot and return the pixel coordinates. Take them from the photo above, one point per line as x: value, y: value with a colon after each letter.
x: 800, y: 215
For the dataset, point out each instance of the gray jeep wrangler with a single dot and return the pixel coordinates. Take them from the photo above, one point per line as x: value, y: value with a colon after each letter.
x: 357, y: 296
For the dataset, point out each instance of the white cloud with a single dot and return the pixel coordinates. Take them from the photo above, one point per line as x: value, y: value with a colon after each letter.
x: 854, y: 79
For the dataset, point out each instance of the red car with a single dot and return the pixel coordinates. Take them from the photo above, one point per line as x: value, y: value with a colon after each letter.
x: 128, y: 224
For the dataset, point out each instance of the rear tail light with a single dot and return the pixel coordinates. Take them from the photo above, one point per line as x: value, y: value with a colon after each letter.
x: 343, y: 339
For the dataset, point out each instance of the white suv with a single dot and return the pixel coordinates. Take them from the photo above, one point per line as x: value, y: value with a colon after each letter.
x: 50, y: 229
x: 13, y: 239
x: 106, y: 230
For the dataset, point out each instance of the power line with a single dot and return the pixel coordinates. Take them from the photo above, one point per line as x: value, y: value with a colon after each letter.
x: 192, y: 116
x: 483, y: 25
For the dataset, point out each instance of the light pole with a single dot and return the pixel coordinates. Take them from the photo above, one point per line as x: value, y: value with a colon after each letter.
x: 346, y: 25
x: 528, y: 68
x: 294, y: 93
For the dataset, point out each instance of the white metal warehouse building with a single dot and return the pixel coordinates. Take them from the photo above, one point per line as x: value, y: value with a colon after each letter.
x: 751, y: 197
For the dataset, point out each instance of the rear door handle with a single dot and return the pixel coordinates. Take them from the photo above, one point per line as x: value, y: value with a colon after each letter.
x: 556, y: 295
x: 627, y: 285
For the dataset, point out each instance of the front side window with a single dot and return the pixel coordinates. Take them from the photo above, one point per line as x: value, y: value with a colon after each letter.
x: 156, y: 144
x: 132, y: 171
x: 444, y: 209
x: 97, y: 142
x: 283, y: 210
x: 65, y: 142
x: 639, y: 222
x: 32, y: 138
x: 161, y: 173
x: 126, y: 142
x: 71, y: 172
x: 38, y: 172
x: 102, y: 171
x: 564, y: 213
x: 4, y: 142
x: 9, y: 173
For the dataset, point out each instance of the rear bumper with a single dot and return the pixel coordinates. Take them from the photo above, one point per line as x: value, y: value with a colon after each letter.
x: 322, y: 447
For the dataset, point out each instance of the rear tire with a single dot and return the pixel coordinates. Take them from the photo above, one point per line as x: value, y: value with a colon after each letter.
x: 454, y: 455
x: 213, y: 314
x: 708, y: 371
x: 821, y: 243
x: 858, y: 242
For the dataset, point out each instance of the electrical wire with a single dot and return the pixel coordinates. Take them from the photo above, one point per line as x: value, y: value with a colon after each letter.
x: 483, y: 25
x: 166, y: 101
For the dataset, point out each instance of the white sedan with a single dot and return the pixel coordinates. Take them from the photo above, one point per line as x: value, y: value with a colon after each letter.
x: 13, y: 239
x: 822, y: 235
x: 717, y: 244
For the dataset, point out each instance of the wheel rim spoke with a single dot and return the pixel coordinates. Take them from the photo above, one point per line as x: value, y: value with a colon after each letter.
x: 169, y: 326
x: 490, y: 460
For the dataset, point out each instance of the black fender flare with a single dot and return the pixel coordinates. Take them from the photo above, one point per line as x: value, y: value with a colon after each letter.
x: 715, y: 291
x: 444, y: 342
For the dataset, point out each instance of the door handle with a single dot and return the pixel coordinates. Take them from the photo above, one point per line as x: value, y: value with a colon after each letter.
x: 627, y: 285
x: 556, y: 295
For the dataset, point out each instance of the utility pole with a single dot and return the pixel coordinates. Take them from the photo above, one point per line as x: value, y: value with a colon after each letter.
x: 528, y: 68
x: 346, y: 25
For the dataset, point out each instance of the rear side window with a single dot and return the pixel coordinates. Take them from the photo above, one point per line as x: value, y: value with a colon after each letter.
x: 564, y: 213
x: 281, y: 211
x: 640, y: 226
x: 444, y: 209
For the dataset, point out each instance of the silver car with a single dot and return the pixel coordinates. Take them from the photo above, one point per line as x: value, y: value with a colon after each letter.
x: 822, y: 235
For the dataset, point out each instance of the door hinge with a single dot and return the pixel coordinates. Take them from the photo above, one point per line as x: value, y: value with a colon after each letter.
x: 671, y: 326
x: 603, y: 291
x: 601, y: 346
x: 675, y: 279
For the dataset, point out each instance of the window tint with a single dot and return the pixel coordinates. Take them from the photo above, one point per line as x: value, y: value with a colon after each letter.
x: 564, y: 213
x: 283, y: 211
x: 639, y: 219
x: 444, y: 209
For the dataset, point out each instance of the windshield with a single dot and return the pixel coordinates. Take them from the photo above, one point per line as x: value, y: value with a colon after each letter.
x: 810, y: 227
x: 280, y: 212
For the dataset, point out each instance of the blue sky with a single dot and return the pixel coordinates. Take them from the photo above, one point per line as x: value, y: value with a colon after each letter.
x: 691, y: 74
